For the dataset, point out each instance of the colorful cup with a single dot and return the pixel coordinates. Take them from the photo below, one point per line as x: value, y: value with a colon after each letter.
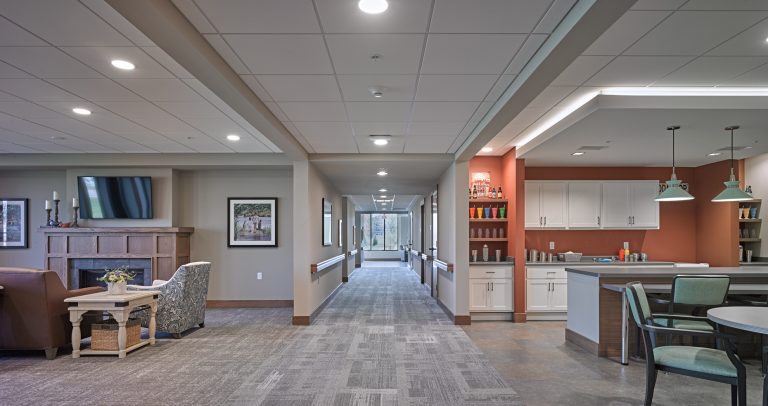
x: 753, y: 213
x: 495, y: 212
x: 479, y: 212
x: 745, y: 212
x: 503, y: 212
x: 487, y: 212
x: 471, y: 212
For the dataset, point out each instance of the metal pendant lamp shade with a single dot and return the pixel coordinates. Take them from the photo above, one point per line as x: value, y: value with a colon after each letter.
x: 673, y: 192
x: 732, y: 192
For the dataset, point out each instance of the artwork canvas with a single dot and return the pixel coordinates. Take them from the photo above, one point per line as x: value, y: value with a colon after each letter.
x: 14, y: 223
x: 252, y: 222
x: 481, y: 181
x: 327, y: 216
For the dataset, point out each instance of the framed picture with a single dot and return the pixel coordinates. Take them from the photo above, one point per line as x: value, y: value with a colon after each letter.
x: 14, y: 223
x: 327, y: 218
x: 252, y: 222
x: 340, y: 231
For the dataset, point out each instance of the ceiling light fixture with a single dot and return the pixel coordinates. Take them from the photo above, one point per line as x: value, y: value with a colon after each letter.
x: 578, y: 153
x: 376, y: 92
x: 383, y: 196
x: 382, y: 190
x: 233, y: 137
x: 685, y: 91
x: 382, y: 172
x: 732, y: 192
x: 486, y: 149
x: 673, y: 192
x: 373, y: 6
x: 380, y: 139
x: 81, y: 111
x: 714, y: 154
x: 567, y: 111
x: 121, y: 64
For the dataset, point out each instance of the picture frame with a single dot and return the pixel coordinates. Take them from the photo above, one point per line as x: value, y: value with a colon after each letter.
x: 14, y: 223
x: 252, y: 222
x: 327, y: 215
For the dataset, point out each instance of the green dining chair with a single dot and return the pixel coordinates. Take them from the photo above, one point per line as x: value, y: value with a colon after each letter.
x: 694, y: 295
x: 699, y: 362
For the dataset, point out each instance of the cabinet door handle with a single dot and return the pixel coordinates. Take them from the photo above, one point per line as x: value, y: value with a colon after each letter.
x: 541, y: 221
x: 598, y: 220
x: 491, y: 286
x: 545, y: 221
x: 487, y: 286
x: 633, y: 220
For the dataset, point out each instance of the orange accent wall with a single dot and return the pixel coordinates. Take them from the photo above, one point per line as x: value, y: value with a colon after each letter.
x: 717, y: 238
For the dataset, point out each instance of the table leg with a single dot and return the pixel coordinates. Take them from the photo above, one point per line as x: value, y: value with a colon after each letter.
x: 624, y: 330
x: 121, y: 316
x: 75, y: 316
x: 152, y: 322
x: 765, y: 390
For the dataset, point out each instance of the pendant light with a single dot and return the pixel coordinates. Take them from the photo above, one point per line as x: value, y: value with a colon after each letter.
x: 732, y: 192
x: 673, y: 192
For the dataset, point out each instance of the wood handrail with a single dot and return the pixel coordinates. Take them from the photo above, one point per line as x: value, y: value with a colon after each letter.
x: 315, y: 268
x: 447, y: 267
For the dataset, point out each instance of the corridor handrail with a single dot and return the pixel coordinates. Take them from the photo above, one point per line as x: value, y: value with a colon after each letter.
x: 447, y: 267
x: 315, y: 268
x: 352, y: 253
x: 415, y: 253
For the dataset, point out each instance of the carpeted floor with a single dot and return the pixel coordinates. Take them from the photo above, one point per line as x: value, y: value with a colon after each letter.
x: 381, y: 341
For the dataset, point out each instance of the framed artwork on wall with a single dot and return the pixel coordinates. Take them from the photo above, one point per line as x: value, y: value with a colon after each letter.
x: 14, y: 223
x: 327, y: 218
x: 252, y: 222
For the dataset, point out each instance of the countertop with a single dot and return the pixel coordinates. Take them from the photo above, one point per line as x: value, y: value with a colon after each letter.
x: 753, y: 263
x: 592, y: 263
x: 491, y: 263
x: 651, y: 272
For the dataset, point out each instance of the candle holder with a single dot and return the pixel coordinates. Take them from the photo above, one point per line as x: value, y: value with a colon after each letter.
x: 48, y: 221
x: 56, y: 213
x: 74, y: 224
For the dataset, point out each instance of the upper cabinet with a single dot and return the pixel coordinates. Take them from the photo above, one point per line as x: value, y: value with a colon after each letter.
x: 584, y: 204
x: 630, y: 204
x: 545, y: 204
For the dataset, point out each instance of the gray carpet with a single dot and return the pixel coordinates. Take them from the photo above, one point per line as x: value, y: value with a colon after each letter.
x: 381, y: 341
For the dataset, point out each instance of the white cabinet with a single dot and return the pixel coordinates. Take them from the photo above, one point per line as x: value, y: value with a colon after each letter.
x: 491, y: 289
x: 546, y: 293
x: 478, y: 294
x: 630, y: 204
x: 545, y: 205
x: 584, y: 204
x: 537, y: 295
x: 500, y: 298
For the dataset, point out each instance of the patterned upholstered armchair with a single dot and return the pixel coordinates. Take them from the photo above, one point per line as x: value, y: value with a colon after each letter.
x: 182, y: 302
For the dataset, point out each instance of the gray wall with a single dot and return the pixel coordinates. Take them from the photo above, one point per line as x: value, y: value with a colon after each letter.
x: 203, y: 204
x: 37, y: 186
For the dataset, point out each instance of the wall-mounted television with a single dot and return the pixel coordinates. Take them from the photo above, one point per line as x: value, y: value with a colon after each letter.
x: 115, y: 197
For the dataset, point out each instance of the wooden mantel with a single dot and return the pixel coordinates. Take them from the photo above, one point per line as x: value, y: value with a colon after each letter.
x: 166, y: 247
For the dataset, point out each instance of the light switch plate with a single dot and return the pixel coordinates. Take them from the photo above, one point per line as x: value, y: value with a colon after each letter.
x: 551, y: 245
x: 258, y: 275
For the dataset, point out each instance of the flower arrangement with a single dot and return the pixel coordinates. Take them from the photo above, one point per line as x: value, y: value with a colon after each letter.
x: 117, y: 275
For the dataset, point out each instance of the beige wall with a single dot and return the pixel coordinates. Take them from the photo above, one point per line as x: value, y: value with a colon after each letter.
x: 756, y: 175
x: 453, y: 237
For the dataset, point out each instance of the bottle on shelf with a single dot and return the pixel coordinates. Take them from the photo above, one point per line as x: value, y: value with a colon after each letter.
x: 499, y: 195
x: 474, y: 192
x: 493, y: 193
x: 470, y: 193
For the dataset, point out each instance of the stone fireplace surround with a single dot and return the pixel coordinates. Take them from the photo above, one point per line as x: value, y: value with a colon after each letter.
x: 142, y: 267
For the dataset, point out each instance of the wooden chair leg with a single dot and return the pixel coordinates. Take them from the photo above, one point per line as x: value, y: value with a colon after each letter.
x: 50, y: 353
x: 650, y: 384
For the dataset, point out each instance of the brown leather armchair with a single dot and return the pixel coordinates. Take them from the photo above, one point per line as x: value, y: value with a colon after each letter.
x: 33, y: 315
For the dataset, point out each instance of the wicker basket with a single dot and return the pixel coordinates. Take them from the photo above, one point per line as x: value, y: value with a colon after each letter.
x: 104, y: 335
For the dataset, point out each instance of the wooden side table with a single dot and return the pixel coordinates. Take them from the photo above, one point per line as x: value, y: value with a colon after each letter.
x: 120, y: 307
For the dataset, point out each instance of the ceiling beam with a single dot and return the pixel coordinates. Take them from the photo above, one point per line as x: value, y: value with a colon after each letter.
x: 586, y: 21
x: 179, y: 161
x: 167, y: 27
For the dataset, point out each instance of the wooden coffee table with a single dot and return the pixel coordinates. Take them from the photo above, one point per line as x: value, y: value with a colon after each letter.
x: 120, y: 307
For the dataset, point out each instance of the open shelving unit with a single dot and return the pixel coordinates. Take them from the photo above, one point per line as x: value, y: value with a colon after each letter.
x: 749, y: 227
x: 478, y: 225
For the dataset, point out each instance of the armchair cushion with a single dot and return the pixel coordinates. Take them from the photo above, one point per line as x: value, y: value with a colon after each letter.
x: 704, y: 360
x: 684, y: 324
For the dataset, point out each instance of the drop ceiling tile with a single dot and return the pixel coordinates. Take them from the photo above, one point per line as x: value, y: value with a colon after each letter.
x: 482, y: 109
x: 89, y: 147
x: 368, y: 128
x: 657, y: 4
x: 195, y: 109
x: 277, y: 111
x: 96, y: 90
x: 132, y: 148
x: 169, y: 147
x: 263, y: 16
x: 217, y: 128
x: 625, y: 31
x: 118, y: 22
x: 748, y: 43
x: 526, y: 52
x: 74, y: 127
x: 100, y: 58
x: 27, y: 110
x: 227, y: 53
x: 301, y: 87
x: 257, y: 88
x: 366, y: 146
x: 161, y: 89
x: 51, y: 147
x: 379, y: 111
x: 441, y: 128
x: 443, y: 111
x: 637, y: 70
x: 299, y: 137
x: 402, y: 16
x: 35, y: 90
x: 393, y: 87
x: 194, y: 15
x: 13, y: 35
x: 487, y: 16
x: 14, y: 137
x: 314, y: 111
x: 281, y: 54
x: 400, y: 53
x: 454, y: 87
x: 11, y: 148
x: 499, y: 87
x: 709, y: 71
x: 167, y: 62
x: 61, y: 23
x: 757, y: 77
x: 725, y: 5
x: 46, y: 62
x: 581, y: 69
x: 7, y: 97
x: 473, y: 54
x: 9, y: 72
x: 682, y: 33
x: 328, y: 137
x: 137, y: 111
x: 554, y: 15
x: 428, y: 144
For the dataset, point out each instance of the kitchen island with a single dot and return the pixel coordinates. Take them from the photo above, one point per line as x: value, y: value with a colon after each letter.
x: 595, y: 312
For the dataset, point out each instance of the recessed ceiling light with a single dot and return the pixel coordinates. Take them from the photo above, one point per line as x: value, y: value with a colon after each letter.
x: 233, y: 137
x: 487, y: 149
x: 81, y: 111
x: 383, y: 196
x: 380, y: 142
x: 373, y: 6
x: 748, y: 147
x: 58, y: 137
x: 382, y: 190
x: 124, y: 65
x: 714, y: 153
x: 578, y: 153
x: 380, y: 139
x: 381, y: 172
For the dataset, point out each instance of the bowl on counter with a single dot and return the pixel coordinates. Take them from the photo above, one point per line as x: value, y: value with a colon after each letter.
x: 569, y: 256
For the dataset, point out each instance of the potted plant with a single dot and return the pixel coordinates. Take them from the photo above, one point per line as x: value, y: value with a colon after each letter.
x: 117, y: 280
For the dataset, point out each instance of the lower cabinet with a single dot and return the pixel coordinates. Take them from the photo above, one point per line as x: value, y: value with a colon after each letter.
x: 490, y: 289
x: 546, y: 293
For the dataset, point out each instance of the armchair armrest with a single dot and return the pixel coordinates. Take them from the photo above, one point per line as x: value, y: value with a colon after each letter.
x: 679, y: 317
x: 84, y: 291
x: 158, y: 282
x: 139, y: 287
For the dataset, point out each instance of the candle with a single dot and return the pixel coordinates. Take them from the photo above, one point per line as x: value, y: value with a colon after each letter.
x: 75, y: 203
x: 47, y: 205
x: 55, y: 195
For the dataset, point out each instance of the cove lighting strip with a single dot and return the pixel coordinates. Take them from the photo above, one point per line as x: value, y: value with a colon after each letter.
x: 638, y: 91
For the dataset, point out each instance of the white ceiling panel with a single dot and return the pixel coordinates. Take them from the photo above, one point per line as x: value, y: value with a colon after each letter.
x: 132, y: 148
x: 62, y: 22
x: 281, y: 53
x: 757, y: 77
x: 499, y: 87
x: 217, y: 128
x: 263, y: 16
x: 366, y: 146
x: 625, y: 31
x: 369, y: 128
x: 454, y: 87
x: 473, y: 54
x: 166, y: 61
x: 257, y: 88
x: 443, y: 111
x: 525, y: 53
x: 96, y: 90
x: 13, y: 35
x: 399, y: 53
x: 277, y: 111
x: 300, y: 137
x: 314, y: 111
x: 551, y: 96
x: 580, y: 70
x: 46, y: 62
x: 708, y: 70
x: 9, y: 72
x: 52, y: 147
x: 7, y: 97
x: 402, y: 16
x: 227, y: 53
x: 379, y: 111
x: 441, y: 128
x: 483, y: 108
x: 323, y: 135
x: 195, y: 109
x: 35, y: 90
x: 29, y: 110
x: 725, y: 5
x: 658, y: 4
x: 748, y: 43
x: 89, y: 147
x: 169, y: 147
x: 427, y: 144
x: 554, y: 15
x: 301, y: 87
x: 637, y: 70
x: 682, y: 33
x: 487, y: 16
x: 12, y: 148
x: 393, y: 87
x: 79, y: 128
x: 161, y: 89
x: 194, y: 15
x: 100, y: 58
x: 118, y: 22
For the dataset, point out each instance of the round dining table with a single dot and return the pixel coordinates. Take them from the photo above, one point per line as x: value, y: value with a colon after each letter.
x: 747, y: 318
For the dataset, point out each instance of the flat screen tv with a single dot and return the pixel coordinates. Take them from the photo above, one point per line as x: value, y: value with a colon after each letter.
x: 115, y: 197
